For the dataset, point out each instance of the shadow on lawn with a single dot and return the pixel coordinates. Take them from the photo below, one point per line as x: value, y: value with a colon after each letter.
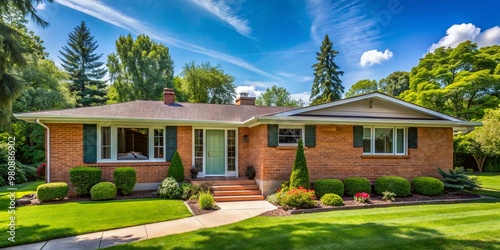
x: 33, y: 234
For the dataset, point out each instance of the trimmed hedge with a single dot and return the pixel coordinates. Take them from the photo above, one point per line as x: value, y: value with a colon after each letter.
x: 332, y: 200
x: 398, y: 185
x: 429, y: 186
x: 125, y: 179
x: 328, y: 186
x: 84, y: 178
x: 52, y: 191
x: 176, y: 168
x: 354, y: 185
x: 103, y: 191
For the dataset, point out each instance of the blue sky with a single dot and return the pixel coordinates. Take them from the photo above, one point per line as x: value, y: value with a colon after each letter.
x: 264, y: 43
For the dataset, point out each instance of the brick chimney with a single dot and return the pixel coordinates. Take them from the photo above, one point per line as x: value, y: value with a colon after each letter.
x: 244, y: 99
x: 168, y: 96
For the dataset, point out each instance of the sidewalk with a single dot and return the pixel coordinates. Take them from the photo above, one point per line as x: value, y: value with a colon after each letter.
x: 229, y: 213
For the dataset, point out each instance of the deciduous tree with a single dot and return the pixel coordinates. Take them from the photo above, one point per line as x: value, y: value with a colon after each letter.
x: 277, y: 96
x: 362, y: 87
x: 395, y: 84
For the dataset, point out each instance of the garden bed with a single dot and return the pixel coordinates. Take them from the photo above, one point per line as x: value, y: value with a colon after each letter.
x: 29, y: 199
x: 376, y: 201
x: 196, y: 210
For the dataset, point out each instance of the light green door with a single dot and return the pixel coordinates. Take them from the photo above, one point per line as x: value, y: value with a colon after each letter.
x: 215, y: 158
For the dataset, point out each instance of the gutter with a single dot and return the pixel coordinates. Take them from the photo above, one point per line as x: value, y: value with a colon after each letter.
x: 47, y: 148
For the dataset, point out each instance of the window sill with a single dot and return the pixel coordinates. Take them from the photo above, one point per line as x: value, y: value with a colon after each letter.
x: 385, y: 157
x: 289, y: 147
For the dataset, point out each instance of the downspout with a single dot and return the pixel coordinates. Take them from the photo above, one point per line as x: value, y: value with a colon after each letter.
x: 47, y: 148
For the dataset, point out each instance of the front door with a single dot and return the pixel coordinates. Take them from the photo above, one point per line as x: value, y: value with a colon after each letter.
x: 215, y: 153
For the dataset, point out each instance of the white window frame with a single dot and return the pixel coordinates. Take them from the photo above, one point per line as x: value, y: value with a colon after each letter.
x: 114, y: 143
x: 394, y: 144
x: 284, y: 126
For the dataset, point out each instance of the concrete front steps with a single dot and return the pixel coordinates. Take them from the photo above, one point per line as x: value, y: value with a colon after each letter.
x: 234, y: 189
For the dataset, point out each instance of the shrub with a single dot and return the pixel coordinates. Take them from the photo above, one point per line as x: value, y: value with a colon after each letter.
x: 187, y: 191
x: 103, y: 191
x: 40, y: 171
x: 354, y: 185
x: 169, y: 188
x: 388, y: 196
x: 29, y: 171
x: 300, y: 174
x: 274, y: 199
x: 125, y: 179
x: 456, y: 180
x: 298, y: 198
x: 176, y: 169
x: 84, y: 178
x: 52, y: 191
x: 206, y: 201
x: 362, y: 197
x: 492, y: 164
x: 427, y: 186
x: 326, y: 186
x: 398, y: 185
x: 332, y: 200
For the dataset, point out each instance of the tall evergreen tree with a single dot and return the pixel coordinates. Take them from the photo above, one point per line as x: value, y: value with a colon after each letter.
x: 83, y: 66
x: 327, y: 85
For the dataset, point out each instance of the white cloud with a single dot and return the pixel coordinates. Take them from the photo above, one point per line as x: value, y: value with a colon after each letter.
x: 459, y: 33
x: 107, y: 14
x: 223, y: 11
x: 304, y: 96
x: 295, y: 77
x: 370, y: 57
x: 40, y: 6
x: 259, y: 84
x: 251, y: 90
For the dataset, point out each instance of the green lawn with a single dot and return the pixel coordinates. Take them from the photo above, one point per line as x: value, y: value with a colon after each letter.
x: 43, y: 222
x: 452, y: 226
x: 490, y: 184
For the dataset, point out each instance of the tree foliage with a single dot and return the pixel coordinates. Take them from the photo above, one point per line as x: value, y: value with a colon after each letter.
x: 139, y: 69
x: 300, y: 174
x: 277, y: 96
x: 362, y: 87
x: 82, y: 64
x: 327, y: 85
x: 395, y: 84
x: 204, y: 83
x: 461, y: 81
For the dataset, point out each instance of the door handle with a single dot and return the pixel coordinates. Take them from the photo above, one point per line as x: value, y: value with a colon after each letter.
x: 209, y: 154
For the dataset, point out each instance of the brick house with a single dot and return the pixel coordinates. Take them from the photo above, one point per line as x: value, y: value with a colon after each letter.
x: 367, y: 136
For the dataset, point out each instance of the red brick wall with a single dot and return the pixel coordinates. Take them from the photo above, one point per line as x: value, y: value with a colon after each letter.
x: 66, y: 152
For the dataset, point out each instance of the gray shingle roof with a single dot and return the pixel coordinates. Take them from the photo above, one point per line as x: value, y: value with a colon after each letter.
x: 157, y: 110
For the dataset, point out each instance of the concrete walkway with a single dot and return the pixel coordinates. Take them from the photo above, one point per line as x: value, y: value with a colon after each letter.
x: 229, y: 213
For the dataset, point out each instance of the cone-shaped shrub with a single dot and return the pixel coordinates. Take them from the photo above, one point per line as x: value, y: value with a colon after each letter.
x: 176, y: 169
x: 300, y: 174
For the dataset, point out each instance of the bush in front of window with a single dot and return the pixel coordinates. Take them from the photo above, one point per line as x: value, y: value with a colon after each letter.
x: 52, y: 191
x: 170, y: 189
x: 354, y: 185
x: 84, y: 178
x: 332, y: 200
x: 103, y: 191
x: 300, y: 174
x: 125, y: 179
x: 176, y: 169
x: 398, y: 185
x: 429, y: 186
x: 325, y: 186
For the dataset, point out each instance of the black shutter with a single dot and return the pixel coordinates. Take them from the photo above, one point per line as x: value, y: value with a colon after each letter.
x: 310, y: 136
x: 89, y: 143
x: 171, y: 141
x: 357, y: 134
x: 272, y: 135
x: 412, y: 137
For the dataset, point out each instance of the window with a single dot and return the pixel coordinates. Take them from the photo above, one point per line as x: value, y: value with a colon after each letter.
x: 289, y: 135
x: 106, y: 142
x: 198, y: 148
x: 158, y: 143
x: 384, y: 140
x: 133, y: 144
x: 231, y: 150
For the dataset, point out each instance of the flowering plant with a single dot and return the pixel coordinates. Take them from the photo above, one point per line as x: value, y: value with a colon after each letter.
x: 40, y: 171
x: 362, y: 197
x: 298, y: 198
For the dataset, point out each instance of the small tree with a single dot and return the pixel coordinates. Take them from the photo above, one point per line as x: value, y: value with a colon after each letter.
x: 176, y: 168
x: 300, y: 174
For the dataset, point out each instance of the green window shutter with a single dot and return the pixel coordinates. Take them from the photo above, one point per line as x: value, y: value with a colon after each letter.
x: 310, y: 136
x: 357, y: 134
x: 89, y: 143
x: 412, y: 137
x: 272, y: 135
x: 171, y: 143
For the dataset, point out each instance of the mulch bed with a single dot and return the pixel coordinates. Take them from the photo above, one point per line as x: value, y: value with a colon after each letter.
x: 374, y: 202
x: 196, y: 210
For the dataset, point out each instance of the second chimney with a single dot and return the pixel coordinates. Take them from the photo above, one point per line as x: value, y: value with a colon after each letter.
x: 168, y: 96
x: 244, y: 99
